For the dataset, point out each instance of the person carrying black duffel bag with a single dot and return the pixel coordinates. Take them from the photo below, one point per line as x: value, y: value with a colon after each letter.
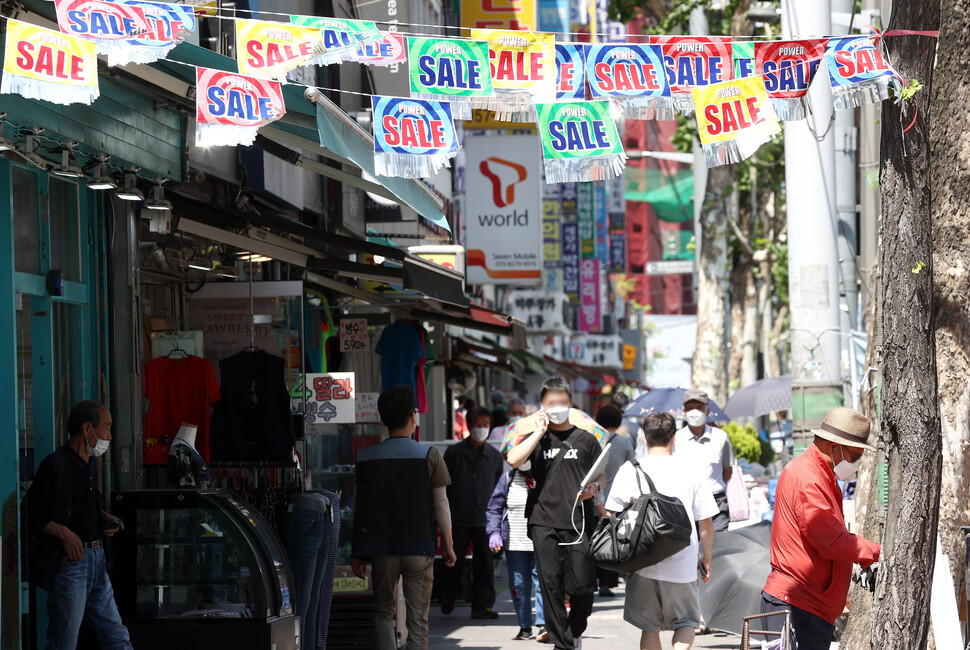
x: 663, y: 595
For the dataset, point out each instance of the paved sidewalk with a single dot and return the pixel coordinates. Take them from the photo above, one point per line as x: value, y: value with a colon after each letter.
x: 607, y: 629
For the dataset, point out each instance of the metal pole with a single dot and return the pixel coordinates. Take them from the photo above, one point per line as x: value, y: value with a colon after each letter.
x: 813, y: 261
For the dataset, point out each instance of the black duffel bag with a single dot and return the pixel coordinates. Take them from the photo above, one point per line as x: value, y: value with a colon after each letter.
x: 649, y: 531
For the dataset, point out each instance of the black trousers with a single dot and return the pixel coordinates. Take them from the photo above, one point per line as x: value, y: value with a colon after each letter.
x: 483, y: 568
x: 564, y: 570
x: 812, y: 632
x: 723, y: 517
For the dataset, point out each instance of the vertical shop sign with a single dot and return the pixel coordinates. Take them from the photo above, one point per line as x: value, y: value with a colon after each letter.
x: 503, y: 219
x: 330, y: 398
x: 590, y: 302
x: 570, y: 201
x: 587, y: 220
x: 602, y: 225
x: 617, y: 252
x: 353, y: 335
x: 551, y: 239
x: 570, y: 261
x: 616, y: 202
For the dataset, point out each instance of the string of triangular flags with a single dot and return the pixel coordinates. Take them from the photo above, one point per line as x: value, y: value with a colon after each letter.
x: 576, y: 94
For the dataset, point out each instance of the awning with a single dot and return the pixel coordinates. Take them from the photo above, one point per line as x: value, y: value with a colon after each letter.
x: 670, y: 195
x: 491, y: 357
x: 481, y: 320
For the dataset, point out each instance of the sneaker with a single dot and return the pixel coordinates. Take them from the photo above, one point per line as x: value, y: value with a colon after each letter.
x: 578, y: 643
x: 447, y: 605
x: 524, y: 634
x: 484, y: 613
x: 606, y: 593
x: 542, y: 636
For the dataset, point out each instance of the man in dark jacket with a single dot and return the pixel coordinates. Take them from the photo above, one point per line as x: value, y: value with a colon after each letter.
x: 65, y: 525
x: 475, y: 467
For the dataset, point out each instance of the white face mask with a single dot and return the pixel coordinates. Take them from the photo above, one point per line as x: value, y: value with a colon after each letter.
x: 558, y: 414
x: 845, y: 470
x: 526, y: 466
x: 99, y: 448
x: 695, y: 418
x: 478, y: 434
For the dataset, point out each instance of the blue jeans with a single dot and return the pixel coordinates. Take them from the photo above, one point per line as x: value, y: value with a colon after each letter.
x: 307, y: 539
x: 521, y: 565
x: 82, y: 591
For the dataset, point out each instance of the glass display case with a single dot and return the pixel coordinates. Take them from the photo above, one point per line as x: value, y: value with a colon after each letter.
x: 200, y: 570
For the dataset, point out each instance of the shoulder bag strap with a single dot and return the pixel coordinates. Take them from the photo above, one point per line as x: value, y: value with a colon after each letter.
x: 566, y: 445
x: 653, y: 488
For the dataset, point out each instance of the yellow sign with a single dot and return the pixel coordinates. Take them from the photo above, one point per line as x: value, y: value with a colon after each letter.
x: 500, y: 14
x: 449, y: 261
x: 349, y: 585
x: 733, y: 109
x: 520, y: 61
x: 629, y: 357
x: 372, y: 285
x: 485, y: 119
x: 269, y: 50
x: 36, y: 57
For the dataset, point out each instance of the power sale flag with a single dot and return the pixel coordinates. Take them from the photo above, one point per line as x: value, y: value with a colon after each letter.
x: 734, y: 118
x: 270, y: 50
x: 230, y: 107
x: 450, y: 70
x: 127, y: 31
x: 694, y: 62
x: 788, y: 68
x: 413, y: 138
x: 342, y: 38
x: 570, y: 71
x: 40, y: 63
x: 858, y: 72
x: 387, y: 52
x: 580, y: 142
x: 523, y: 69
x: 634, y: 75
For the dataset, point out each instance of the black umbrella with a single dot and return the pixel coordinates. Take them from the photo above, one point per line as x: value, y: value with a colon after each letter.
x: 739, y: 568
x: 761, y: 397
x: 668, y: 400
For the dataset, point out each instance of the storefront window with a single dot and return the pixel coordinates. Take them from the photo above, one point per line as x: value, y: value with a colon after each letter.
x: 66, y: 237
x: 68, y: 376
x: 26, y: 223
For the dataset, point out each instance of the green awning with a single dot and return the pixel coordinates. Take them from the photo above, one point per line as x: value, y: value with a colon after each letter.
x: 670, y: 195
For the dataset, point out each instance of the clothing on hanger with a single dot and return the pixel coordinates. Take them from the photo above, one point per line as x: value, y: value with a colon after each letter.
x: 401, y: 351
x: 178, y: 389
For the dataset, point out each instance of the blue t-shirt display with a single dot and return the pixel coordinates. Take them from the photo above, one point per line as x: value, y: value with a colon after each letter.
x: 401, y: 351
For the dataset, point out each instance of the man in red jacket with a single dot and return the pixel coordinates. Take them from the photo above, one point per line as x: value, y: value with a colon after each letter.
x: 811, y: 551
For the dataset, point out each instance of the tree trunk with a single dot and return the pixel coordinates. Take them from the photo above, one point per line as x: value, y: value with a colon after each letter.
x: 707, y: 368
x: 910, y: 417
x: 950, y: 168
x: 740, y: 277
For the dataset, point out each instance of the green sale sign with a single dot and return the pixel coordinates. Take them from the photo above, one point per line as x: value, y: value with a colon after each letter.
x: 579, y: 141
x: 444, y: 68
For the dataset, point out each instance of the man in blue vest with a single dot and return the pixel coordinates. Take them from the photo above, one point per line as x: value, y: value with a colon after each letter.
x: 400, y: 492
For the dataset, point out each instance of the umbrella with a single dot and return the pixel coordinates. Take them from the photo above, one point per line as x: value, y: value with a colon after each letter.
x: 739, y: 567
x: 765, y: 396
x: 669, y: 400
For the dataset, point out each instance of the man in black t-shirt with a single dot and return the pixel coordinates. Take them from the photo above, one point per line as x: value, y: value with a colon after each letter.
x: 556, y: 511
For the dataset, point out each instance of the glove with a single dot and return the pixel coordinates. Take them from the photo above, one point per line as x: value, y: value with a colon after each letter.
x: 495, y: 541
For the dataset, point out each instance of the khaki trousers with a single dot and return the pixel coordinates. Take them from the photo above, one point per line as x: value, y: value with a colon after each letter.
x: 417, y: 572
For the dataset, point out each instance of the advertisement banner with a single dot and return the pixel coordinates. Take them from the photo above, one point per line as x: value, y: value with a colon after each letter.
x: 634, y: 75
x: 587, y: 220
x: 503, y: 218
x: 617, y: 252
x: 230, y: 107
x: 40, y: 63
x: 570, y: 71
x: 523, y: 68
x: 554, y: 16
x: 570, y: 261
x: 389, y: 51
x: 597, y: 351
x: 450, y: 70
x: 857, y: 71
x: 551, y: 241
x: 499, y: 14
x: 580, y: 142
x: 788, y: 68
x: 602, y: 244
x: 590, y: 300
x: 413, y: 138
x: 734, y: 118
x: 570, y: 201
x: 270, y: 50
x: 342, y: 38
x: 541, y: 311
x: 331, y: 398
x: 129, y: 31
x: 694, y: 61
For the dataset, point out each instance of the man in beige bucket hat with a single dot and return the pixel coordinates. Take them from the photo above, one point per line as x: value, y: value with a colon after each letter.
x: 811, y: 551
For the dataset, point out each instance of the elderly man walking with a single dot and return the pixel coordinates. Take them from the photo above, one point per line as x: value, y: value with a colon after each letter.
x: 811, y: 551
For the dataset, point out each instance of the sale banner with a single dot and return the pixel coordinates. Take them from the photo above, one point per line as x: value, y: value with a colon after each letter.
x: 523, y: 69
x: 634, y: 75
x: 383, y: 53
x: 40, y: 63
x: 734, y: 118
x: 858, y: 73
x: 270, y: 50
x: 570, y: 71
x: 450, y: 70
x: 127, y: 31
x: 788, y: 68
x: 743, y: 59
x: 342, y: 38
x: 580, y: 142
x: 231, y: 107
x: 413, y: 138
x: 331, y: 398
x: 692, y: 62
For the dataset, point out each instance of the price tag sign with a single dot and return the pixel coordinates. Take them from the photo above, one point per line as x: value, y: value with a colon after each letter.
x: 367, y: 407
x: 353, y: 335
x: 330, y: 398
x: 349, y: 585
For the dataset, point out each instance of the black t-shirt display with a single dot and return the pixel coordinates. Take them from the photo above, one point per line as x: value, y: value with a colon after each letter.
x: 555, y: 498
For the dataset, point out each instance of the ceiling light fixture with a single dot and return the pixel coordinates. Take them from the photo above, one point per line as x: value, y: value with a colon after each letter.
x: 6, y: 144
x: 130, y: 191
x: 246, y: 256
x: 101, y: 180
x: 156, y: 197
x: 200, y: 264
x: 66, y: 169
x: 225, y: 271
x: 258, y: 250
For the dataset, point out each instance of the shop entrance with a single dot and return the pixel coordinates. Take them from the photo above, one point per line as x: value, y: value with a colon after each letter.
x: 54, y: 357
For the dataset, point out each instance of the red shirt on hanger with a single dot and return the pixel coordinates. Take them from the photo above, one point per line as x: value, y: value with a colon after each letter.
x: 178, y: 390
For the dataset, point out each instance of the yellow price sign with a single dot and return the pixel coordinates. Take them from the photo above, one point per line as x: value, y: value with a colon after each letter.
x: 348, y: 585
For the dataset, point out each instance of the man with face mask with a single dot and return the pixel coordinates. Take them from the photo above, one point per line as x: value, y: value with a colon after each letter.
x: 709, y: 449
x: 66, y: 527
x: 475, y: 467
x: 515, y: 412
x: 811, y: 551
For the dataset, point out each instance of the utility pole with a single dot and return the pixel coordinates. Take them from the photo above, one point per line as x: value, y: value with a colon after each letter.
x: 813, y: 260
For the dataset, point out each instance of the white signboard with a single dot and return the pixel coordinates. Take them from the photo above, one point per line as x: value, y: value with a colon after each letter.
x: 367, y: 407
x: 596, y: 351
x: 503, y: 213
x: 353, y: 335
x: 330, y: 398
x: 674, y: 267
x: 541, y: 311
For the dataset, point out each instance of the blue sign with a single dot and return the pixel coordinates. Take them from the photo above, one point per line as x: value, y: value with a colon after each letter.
x: 570, y: 260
